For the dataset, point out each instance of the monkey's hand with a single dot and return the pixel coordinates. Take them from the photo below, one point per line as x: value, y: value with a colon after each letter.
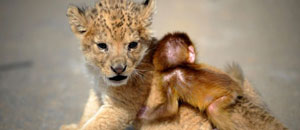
x: 149, y: 114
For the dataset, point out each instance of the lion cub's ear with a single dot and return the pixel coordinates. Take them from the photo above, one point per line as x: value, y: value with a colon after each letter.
x: 77, y: 20
x: 147, y: 11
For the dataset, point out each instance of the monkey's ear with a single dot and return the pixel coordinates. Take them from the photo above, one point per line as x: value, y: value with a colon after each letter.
x: 192, y: 54
x: 77, y: 20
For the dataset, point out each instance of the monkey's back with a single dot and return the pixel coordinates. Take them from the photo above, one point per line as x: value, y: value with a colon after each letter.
x: 199, y: 87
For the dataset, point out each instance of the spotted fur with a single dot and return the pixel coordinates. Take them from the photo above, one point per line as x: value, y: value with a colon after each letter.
x: 114, y: 24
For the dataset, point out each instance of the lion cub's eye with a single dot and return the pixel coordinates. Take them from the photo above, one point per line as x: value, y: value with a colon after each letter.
x: 102, y: 46
x: 132, y: 45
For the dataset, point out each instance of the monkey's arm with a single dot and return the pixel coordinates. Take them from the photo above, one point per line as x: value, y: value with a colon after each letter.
x: 172, y: 102
x: 167, y: 107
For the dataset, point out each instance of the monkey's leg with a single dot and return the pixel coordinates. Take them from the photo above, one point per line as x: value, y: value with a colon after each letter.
x: 218, y: 114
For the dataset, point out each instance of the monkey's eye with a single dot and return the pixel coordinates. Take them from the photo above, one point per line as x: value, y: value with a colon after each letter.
x: 102, y: 46
x: 132, y: 45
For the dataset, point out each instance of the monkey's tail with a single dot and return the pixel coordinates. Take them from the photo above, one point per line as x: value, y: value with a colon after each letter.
x: 235, y: 71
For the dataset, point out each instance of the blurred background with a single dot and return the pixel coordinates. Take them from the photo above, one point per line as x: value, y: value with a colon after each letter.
x: 42, y: 78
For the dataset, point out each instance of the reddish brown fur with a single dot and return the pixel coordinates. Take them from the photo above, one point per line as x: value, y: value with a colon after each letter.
x: 178, y: 79
x: 171, y: 44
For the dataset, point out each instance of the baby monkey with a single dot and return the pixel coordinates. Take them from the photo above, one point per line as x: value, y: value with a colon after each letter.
x: 178, y: 77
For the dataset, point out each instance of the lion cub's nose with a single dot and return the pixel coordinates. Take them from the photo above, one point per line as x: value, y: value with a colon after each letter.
x: 118, y: 69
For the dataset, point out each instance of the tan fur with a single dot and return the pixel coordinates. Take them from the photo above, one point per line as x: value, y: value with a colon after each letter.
x: 235, y: 71
x: 188, y: 118
x: 116, y: 23
x: 247, y: 115
x: 113, y: 106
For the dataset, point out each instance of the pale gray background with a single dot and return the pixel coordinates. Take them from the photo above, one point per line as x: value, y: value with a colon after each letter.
x: 42, y: 82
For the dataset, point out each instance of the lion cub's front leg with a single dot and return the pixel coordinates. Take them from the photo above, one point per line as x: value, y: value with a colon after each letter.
x: 92, y: 106
x: 106, y: 118
x: 109, y: 117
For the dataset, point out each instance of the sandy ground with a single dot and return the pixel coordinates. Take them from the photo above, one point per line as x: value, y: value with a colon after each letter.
x: 42, y: 79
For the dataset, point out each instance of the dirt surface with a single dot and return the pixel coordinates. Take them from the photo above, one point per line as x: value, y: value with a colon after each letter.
x: 42, y: 79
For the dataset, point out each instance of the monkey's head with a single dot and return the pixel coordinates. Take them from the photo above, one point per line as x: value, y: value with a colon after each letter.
x: 172, y: 50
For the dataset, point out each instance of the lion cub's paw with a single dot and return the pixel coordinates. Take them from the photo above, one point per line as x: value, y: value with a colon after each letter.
x: 69, y: 127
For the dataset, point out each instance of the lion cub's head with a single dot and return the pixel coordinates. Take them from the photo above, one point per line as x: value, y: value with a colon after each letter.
x: 114, y: 36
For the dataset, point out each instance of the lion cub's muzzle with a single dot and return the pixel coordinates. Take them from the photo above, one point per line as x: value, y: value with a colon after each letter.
x: 118, y: 69
x: 118, y: 78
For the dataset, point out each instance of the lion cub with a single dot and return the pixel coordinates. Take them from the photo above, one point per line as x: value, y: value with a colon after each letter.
x: 117, y: 45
